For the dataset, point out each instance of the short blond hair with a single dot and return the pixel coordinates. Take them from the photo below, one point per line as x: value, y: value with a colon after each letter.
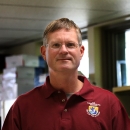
x: 63, y: 23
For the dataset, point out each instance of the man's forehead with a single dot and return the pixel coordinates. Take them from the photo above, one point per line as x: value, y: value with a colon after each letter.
x: 68, y: 38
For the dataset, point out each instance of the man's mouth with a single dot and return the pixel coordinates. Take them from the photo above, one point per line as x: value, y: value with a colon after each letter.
x: 64, y: 59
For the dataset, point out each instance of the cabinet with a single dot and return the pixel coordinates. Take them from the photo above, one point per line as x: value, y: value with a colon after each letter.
x: 123, y: 93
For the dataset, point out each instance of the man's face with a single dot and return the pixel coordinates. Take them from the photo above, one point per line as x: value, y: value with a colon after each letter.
x: 62, y: 59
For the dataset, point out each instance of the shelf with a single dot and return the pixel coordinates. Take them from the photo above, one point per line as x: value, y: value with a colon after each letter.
x: 121, y: 89
x: 123, y: 93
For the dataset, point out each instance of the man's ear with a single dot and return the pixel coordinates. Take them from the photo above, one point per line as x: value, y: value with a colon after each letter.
x: 43, y: 52
x: 82, y: 49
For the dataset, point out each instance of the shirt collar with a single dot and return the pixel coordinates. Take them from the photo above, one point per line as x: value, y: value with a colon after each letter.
x: 47, y: 88
x: 86, y: 92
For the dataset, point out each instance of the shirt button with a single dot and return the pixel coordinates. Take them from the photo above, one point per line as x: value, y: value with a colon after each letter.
x: 63, y: 100
x: 65, y: 110
x: 59, y: 92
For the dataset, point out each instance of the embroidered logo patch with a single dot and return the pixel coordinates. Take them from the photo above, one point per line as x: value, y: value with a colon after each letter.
x: 93, y: 109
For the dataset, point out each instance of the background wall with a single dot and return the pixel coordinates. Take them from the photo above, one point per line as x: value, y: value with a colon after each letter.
x: 29, y: 48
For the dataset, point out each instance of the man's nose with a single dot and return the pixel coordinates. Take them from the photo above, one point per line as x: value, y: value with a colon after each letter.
x: 63, y: 48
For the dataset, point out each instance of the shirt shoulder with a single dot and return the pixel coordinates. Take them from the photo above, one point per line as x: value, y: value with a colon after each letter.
x: 31, y: 96
x: 93, y: 92
x: 104, y: 94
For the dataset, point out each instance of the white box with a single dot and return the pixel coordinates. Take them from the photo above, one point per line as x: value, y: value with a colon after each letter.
x: 5, y: 106
x: 9, y: 92
x: 9, y: 82
x: 22, y: 60
x: 22, y: 72
x: 9, y: 73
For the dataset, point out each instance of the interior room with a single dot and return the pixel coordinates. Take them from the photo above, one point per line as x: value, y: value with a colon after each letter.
x: 105, y: 28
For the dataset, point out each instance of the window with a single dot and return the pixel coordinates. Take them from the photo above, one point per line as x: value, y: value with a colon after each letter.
x: 127, y: 56
x: 84, y: 64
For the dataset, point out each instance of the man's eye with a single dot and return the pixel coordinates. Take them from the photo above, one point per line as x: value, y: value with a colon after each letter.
x: 71, y: 45
x: 55, y: 45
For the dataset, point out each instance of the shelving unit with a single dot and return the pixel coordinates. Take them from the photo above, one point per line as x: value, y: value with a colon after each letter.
x: 123, y: 93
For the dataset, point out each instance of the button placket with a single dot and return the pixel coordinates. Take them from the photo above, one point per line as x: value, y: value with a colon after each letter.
x: 65, y: 110
x: 59, y: 91
x: 63, y: 100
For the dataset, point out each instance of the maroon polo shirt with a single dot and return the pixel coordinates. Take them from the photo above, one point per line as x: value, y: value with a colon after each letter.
x: 44, y: 108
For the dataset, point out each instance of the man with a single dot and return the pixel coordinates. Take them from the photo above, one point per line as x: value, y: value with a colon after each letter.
x: 66, y: 101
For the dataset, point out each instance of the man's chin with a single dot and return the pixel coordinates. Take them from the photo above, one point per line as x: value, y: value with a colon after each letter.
x: 66, y: 68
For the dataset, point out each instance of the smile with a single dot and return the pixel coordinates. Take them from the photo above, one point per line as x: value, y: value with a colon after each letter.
x: 64, y: 59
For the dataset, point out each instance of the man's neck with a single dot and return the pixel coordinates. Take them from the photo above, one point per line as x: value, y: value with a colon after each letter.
x: 68, y: 83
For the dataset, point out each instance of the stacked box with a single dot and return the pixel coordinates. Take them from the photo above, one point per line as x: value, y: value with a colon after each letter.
x: 25, y: 71
x: 23, y: 76
x: 0, y: 86
x: 21, y: 60
x: 1, y: 76
x: 42, y: 62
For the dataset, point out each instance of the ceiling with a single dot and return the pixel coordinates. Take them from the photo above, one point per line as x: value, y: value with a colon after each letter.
x: 23, y: 21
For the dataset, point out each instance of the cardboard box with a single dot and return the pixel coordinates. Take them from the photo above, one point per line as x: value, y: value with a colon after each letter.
x: 22, y: 88
x: 29, y: 72
x: 1, y: 77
